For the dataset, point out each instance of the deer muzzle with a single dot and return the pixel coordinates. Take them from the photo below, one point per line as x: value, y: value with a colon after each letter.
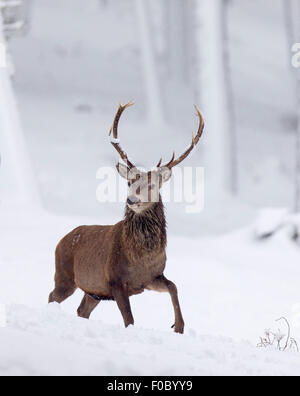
x: 132, y: 200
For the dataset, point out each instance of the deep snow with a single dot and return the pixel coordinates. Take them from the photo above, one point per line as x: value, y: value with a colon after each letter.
x: 49, y: 342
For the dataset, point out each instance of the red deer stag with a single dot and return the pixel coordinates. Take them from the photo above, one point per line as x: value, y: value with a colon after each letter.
x: 117, y: 261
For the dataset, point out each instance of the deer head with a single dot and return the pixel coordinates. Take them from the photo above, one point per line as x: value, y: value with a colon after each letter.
x: 144, y: 187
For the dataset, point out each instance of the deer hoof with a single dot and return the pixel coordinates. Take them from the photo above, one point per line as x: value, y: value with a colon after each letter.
x: 129, y: 323
x: 178, y: 328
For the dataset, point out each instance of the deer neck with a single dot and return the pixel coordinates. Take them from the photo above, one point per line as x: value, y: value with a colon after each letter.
x: 147, y: 229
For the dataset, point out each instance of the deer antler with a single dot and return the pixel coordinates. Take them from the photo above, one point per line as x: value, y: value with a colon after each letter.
x: 195, y: 140
x: 114, y: 130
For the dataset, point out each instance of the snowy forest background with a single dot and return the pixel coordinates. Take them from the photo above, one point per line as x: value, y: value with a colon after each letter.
x: 71, y: 62
x: 76, y: 62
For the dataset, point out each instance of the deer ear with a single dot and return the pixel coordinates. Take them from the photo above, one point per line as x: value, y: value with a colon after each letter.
x: 123, y: 170
x: 165, y: 173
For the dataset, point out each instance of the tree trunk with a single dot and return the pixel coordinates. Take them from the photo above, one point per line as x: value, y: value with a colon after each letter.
x: 154, y: 106
x: 292, y: 19
x: 212, y: 92
x: 175, y: 38
x: 17, y: 183
x: 233, y: 163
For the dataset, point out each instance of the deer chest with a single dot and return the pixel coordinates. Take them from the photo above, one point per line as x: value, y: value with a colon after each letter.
x: 143, y: 269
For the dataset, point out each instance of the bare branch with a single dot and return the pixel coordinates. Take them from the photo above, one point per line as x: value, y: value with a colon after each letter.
x: 289, y: 331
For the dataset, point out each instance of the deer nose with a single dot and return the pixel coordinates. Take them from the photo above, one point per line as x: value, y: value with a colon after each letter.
x: 132, y: 200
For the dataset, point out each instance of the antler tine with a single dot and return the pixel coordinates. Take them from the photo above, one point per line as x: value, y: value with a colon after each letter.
x: 195, y: 140
x: 171, y: 160
x: 159, y: 163
x: 114, y: 130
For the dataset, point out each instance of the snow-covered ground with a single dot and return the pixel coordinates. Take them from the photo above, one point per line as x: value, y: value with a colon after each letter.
x: 49, y: 342
x: 231, y: 288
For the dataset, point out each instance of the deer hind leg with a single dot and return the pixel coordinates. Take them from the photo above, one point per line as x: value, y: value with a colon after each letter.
x: 87, y: 305
x: 162, y: 284
x: 61, y: 293
x: 121, y: 297
x: 64, y: 279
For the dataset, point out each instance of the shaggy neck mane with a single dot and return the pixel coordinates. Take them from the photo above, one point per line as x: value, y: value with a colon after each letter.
x: 148, y: 229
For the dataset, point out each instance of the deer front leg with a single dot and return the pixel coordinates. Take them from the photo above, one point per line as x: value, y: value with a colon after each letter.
x: 162, y: 284
x: 120, y: 295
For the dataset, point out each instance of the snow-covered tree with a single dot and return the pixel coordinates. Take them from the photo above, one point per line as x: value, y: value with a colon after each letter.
x: 212, y: 91
x: 17, y: 182
x: 289, y: 219
x: 233, y: 166
x: 292, y: 19
x: 151, y: 77
x: 175, y: 35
